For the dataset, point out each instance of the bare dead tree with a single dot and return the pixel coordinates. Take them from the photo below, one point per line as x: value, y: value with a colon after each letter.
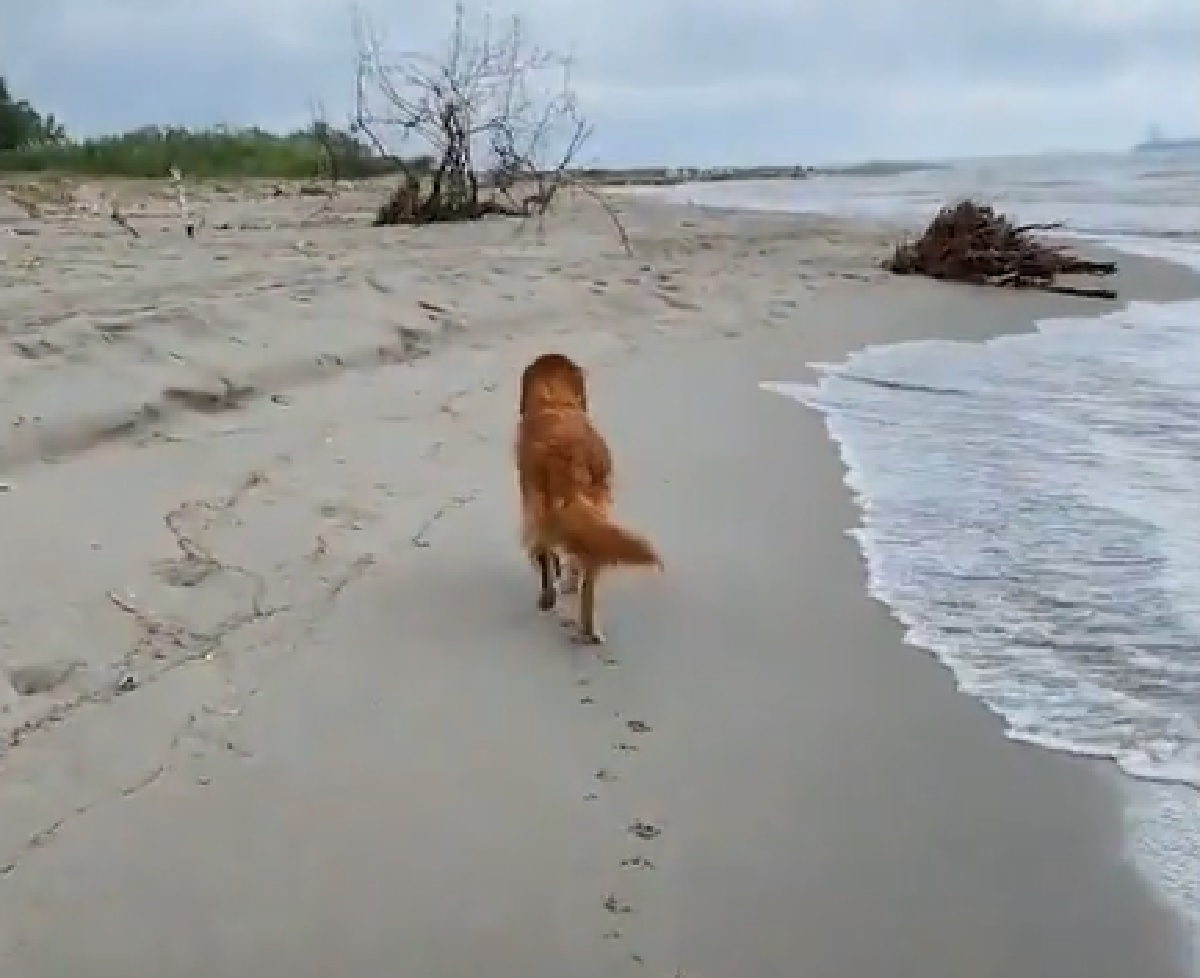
x: 493, y: 110
x: 321, y: 133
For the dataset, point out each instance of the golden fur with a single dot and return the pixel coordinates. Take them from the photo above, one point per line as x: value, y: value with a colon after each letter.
x: 565, y: 473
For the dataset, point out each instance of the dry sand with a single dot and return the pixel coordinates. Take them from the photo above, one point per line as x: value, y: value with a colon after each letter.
x: 280, y: 700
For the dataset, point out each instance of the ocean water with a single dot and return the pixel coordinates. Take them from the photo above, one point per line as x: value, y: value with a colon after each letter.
x: 1154, y: 194
x: 1031, y: 505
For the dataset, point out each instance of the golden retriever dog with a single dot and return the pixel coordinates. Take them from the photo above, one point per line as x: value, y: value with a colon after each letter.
x: 565, y: 473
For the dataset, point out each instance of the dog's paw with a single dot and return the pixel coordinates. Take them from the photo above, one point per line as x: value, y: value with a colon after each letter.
x: 594, y: 637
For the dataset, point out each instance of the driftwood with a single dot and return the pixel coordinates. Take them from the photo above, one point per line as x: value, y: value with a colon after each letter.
x: 404, y: 205
x: 972, y: 243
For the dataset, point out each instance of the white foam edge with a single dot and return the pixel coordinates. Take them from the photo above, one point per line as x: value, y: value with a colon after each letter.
x: 1148, y: 824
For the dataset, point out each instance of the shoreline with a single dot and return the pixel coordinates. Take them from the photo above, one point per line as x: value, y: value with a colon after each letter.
x: 1142, y: 278
x: 355, y: 761
x: 1150, y: 804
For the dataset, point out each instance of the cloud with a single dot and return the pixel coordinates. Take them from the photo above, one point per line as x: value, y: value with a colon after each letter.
x: 664, y: 80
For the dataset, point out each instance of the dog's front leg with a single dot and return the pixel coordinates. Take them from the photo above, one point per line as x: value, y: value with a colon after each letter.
x: 548, y: 570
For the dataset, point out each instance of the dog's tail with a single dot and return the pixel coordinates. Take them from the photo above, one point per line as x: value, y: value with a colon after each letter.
x: 587, y: 533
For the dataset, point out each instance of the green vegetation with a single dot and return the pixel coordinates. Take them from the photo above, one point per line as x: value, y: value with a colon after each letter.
x: 21, y: 124
x: 32, y: 143
x: 151, y: 152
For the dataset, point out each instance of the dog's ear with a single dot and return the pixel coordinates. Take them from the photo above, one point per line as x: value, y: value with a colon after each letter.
x: 526, y: 378
x: 581, y: 381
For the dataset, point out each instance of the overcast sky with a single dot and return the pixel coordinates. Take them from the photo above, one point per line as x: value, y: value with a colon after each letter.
x: 672, y: 81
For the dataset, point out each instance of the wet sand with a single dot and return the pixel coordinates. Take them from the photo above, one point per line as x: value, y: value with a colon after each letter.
x: 282, y: 702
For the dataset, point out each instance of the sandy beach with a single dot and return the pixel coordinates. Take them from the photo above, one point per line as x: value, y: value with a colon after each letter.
x: 280, y: 702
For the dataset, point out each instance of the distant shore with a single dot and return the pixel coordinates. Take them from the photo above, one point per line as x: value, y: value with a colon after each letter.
x: 669, y: 176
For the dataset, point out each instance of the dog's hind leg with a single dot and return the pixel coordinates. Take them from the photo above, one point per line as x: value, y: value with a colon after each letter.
x: 588, y: 633
x: 542, y: 557
x: 570, y: 583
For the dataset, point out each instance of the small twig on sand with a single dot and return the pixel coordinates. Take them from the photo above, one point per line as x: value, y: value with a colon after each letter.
x: 325, y: 206
x: 1079, y: 291
x: 120, y: 219
x: 420, y: 538
x: 611, y: 211
x: 123, y: 604
x: 30, y: 207
x: 185, y: 214
x: 606, y: 205
x: 112, y: 212
x: 198, y: 562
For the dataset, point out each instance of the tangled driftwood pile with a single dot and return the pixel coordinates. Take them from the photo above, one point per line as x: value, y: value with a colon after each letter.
x: 971, y: 242
x: 405, y: 205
